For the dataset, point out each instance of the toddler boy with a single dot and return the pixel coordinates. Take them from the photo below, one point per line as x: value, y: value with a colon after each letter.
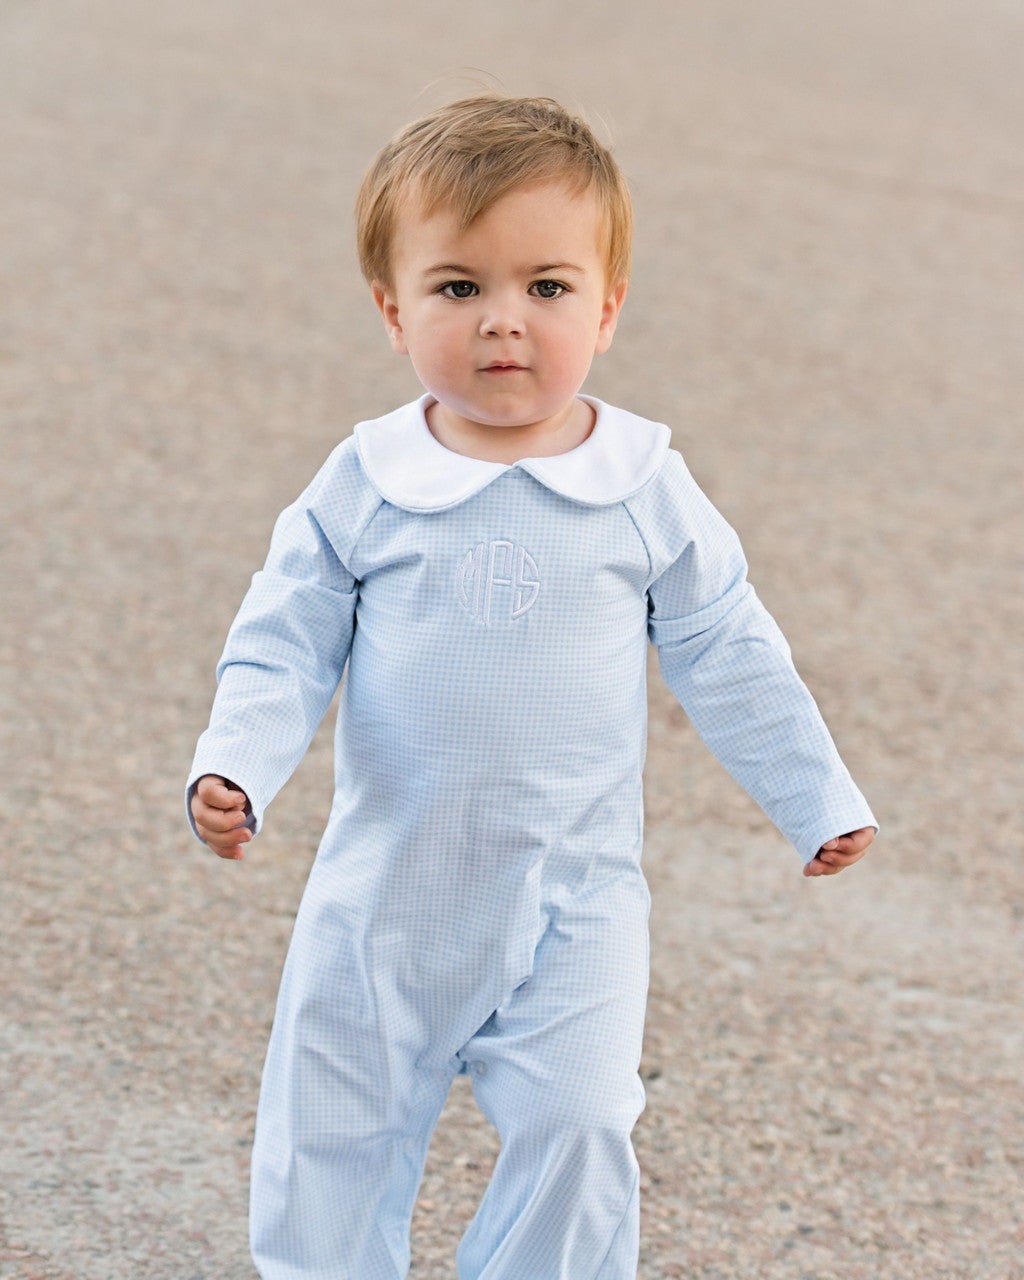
x: 490, y: 563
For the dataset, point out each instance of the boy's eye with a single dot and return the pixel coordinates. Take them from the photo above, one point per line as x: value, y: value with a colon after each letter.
x: 547, y: 289
x: 459, y: 289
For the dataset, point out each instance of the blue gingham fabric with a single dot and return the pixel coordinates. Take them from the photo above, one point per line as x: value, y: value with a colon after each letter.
x: 477, y: 904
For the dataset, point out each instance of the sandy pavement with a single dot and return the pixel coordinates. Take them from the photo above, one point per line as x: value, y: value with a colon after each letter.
x: 828, y: 308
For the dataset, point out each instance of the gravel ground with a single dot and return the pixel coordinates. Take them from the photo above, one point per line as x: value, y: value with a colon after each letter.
x: 828, y: 308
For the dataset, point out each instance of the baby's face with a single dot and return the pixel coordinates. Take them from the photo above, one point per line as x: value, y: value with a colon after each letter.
x: 502, y: 319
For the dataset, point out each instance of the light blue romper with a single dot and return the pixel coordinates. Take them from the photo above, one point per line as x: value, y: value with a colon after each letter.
x: 477, y: 903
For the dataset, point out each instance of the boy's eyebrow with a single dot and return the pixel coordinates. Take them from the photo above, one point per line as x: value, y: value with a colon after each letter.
x: 448, y: 269
x: 456, y: 269
x: 544, y: 268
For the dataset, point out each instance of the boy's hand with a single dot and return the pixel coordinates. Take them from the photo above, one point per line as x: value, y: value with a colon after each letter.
x: 220, y: 810
x: 843, y: 851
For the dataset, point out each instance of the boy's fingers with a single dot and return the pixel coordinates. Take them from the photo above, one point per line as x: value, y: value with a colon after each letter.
x: 218, y: 820
x: 842, y: 850
x: 221, y: 841
x: 235, y: 852
x: 222, y: 826
x: 210, y: 788
x: 818, y: 868
x: 830, y: 863
x: 217, y: 793
x: 856, y: 841
x: 840, y: 858
x: 841, y: 855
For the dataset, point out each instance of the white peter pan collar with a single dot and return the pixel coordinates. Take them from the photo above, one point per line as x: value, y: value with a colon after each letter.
x: 409, y: 468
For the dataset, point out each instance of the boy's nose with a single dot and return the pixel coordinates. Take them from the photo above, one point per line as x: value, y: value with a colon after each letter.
x: 501, y: 322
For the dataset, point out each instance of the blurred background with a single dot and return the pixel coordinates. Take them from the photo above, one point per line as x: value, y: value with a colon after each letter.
x: 827, y: 308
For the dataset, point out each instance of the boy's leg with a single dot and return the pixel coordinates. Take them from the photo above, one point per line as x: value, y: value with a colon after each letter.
x: 345, y: 1118
x: 555, y: 1071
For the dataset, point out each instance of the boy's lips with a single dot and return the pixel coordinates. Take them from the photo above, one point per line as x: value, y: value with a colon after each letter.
x: 503, y: 366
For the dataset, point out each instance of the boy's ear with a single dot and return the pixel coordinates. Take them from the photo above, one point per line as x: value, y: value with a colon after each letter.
x: 387, y: 305
x: 610, y: 317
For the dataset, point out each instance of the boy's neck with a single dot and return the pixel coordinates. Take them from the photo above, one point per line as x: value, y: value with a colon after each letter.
x: 512, y: 443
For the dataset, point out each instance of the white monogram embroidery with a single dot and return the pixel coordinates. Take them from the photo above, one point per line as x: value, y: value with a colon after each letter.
x: 497, y: 580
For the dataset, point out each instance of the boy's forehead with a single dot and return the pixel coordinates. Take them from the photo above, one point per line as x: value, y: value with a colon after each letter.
x: 551, y: 209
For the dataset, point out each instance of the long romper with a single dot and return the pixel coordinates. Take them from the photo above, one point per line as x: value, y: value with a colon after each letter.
x: 477, y: 903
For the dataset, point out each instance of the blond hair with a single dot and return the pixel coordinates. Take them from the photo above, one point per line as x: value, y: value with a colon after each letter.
x: 467, y: 155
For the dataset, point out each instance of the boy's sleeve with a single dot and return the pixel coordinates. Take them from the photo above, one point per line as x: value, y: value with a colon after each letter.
x: 282, y: 661
x: 728, y: 664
